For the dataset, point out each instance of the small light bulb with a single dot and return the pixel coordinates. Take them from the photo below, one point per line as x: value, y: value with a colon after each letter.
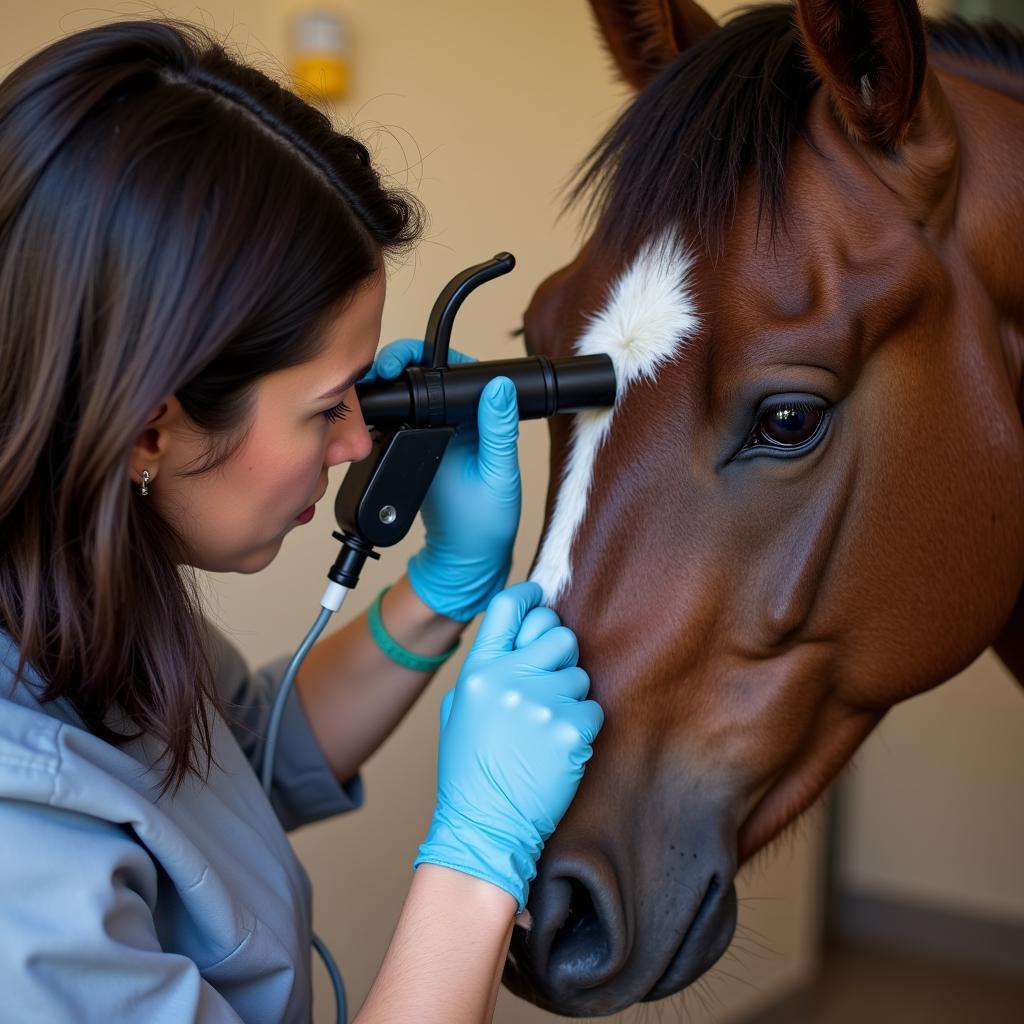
x: 320, y: 67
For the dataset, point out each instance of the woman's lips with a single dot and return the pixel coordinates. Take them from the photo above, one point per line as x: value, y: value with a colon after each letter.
x: 307, y: 513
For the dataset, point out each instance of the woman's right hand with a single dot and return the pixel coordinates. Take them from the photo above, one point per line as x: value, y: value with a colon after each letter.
x: 516, y: 732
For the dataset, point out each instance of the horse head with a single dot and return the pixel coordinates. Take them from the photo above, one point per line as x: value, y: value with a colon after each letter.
x: 805, y: 505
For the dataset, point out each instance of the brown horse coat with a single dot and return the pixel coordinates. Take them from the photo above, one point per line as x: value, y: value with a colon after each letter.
x: 806, y: 505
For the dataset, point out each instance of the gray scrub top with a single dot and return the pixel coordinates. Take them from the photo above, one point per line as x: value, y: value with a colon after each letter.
x: 118, y: 906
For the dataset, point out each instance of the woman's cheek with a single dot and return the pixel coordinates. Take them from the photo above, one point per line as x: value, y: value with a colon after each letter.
x: 301, y: 466
x: 310, y: 470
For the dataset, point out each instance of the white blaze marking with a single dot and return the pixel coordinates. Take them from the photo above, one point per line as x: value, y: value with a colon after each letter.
x: 648, y: 317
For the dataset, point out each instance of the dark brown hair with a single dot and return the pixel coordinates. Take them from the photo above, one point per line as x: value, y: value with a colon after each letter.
x: 731, y: 104
x: 172, y: 221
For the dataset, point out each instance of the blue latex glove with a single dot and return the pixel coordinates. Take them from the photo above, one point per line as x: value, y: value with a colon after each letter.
x: 515, y: 735
x: 471, y: 512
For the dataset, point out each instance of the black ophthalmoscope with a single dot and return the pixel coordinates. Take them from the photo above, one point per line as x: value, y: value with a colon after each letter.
x: 413, y: 417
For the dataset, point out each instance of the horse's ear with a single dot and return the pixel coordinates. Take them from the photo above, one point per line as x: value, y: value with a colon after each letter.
x: 871, y: 57
x: 646, y: 35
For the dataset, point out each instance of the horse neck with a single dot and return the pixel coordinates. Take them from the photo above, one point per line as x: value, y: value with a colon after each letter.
x: 992, y: 77
x: 988, y: 104
x: 1000, y: 181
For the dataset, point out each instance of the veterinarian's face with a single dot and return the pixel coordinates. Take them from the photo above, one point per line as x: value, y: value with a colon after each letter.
x: 235, y: 518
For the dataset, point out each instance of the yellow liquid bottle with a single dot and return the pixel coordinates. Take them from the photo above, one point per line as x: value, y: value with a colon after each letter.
x: 320, y: 67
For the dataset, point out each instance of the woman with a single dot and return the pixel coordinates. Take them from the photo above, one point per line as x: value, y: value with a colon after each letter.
x: 191, y: 281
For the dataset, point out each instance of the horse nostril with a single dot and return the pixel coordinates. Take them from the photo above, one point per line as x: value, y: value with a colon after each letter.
x: 578, y: 937
x: 584, y: 940
x: 580, y: 949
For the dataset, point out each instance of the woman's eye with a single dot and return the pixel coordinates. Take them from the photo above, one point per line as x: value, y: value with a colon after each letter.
x: 789, y: 425
x: 338, y: 412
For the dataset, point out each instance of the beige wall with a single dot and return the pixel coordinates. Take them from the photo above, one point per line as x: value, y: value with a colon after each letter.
x: 933, y: 805
x: 483, y: 108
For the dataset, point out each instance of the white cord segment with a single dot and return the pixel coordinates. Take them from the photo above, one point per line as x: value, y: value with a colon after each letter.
x: 334, y: 596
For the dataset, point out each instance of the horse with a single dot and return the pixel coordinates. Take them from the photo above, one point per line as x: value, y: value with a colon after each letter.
x: 805, y: 236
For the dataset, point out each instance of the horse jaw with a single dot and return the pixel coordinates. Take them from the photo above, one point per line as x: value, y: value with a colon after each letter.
x: 648, y: 318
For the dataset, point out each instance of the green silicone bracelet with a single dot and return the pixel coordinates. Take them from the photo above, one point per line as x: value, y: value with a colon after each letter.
x: 395, y: 651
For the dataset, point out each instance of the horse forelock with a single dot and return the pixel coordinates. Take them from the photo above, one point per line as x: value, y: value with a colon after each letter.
x: 647, y: 319
x: 677, y: 153
x: 733, y: 101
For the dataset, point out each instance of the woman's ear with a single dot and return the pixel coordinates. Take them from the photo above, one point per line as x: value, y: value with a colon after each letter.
x: 154, y: 440
x: 645, y: 36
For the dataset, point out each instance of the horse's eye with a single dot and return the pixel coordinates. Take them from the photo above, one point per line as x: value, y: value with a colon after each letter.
x: 788, y: 425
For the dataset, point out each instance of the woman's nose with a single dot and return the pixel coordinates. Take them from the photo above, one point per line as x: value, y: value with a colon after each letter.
x: 364, y: 447
x: 350, y: 440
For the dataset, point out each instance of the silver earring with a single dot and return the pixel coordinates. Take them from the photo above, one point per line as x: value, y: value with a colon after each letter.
x: 144, y: 489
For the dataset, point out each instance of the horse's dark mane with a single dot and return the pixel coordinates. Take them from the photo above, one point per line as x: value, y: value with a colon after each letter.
x: 992, y: 42
x: 733, y: 101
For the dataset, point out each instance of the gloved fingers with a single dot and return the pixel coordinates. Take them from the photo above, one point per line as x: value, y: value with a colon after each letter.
x: 446, y: 707
x: 580, y: 755
x: 394, y: 357
x: 572, y: 683
x: 536, y: 623
x: 587, y: 716
x: 498, y: 430
x: 555, y: 649
x: 455, y: 357
x: 504, y: 617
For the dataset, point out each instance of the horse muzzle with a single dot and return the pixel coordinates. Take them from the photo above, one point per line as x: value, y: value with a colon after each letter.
x: 616, y: 927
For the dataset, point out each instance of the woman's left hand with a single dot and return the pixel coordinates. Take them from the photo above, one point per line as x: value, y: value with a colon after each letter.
x: 471, y: 512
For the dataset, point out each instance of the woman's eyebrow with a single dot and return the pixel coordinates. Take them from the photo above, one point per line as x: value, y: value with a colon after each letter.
x: 346, y: 384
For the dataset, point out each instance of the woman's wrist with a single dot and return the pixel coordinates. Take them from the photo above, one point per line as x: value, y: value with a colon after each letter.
x: 475, y: 897
x: 414, y: 624
x: 445, y: 960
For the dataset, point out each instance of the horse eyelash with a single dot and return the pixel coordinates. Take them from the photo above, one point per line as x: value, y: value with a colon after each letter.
x: 800, y: 406
x: 338, y: 412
